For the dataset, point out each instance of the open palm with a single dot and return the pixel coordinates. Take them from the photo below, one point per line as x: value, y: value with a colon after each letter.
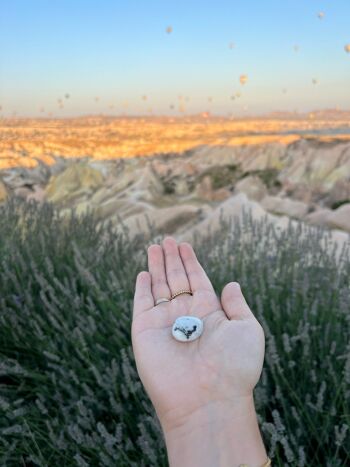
x: 224, y: 363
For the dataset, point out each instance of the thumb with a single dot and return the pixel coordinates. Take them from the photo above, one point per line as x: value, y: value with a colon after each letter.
x: 234, y: 303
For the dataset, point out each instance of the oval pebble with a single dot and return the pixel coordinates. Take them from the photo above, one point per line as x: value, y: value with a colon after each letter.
x: 187, y: 328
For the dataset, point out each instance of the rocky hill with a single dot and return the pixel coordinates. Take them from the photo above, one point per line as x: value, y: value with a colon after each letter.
x: 179, y: 194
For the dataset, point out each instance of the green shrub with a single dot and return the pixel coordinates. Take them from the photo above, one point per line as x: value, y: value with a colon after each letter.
x: 221, y: 175
x: 70, y: 394
x: 268, y: 176
x: 337, y: 204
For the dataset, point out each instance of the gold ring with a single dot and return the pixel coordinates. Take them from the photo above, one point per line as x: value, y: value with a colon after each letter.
x: 180, y: 293
x: 161, y: 300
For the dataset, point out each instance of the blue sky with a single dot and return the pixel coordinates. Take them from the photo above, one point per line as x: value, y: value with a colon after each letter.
x: 120, y: 51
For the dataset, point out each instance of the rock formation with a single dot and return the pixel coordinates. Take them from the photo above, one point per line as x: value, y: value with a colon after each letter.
x: 180, y: 194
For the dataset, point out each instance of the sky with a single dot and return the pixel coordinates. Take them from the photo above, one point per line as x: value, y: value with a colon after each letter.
x: 79, y: 57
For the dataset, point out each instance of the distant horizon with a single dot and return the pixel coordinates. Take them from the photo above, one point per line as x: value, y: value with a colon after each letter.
x: 243, y: 115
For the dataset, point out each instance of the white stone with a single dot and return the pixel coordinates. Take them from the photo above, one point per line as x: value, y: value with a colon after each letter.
x: 187, y: 328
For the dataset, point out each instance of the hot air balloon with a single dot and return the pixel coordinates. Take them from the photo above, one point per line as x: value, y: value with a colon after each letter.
x: 243, y: 79
x: 296, y: 48
x: 284, y: 90
x: 347, y: 48
x: 210, y: 99
x: 238, y: 94
x: 97, y: 99
x: 172, y: 106
x: 314, y: 81
x: 231, y: 45
x: 320, y: 15
x: 144, y: 97
x: 169, y: 29
x: 67, y: 96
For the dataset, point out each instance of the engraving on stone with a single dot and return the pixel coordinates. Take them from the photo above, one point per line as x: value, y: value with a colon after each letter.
x: 187, y: 328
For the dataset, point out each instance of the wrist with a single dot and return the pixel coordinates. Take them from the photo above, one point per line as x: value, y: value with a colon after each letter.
x: 221, y: 434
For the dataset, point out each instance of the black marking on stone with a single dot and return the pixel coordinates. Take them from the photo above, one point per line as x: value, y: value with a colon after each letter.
x: 187, y: 333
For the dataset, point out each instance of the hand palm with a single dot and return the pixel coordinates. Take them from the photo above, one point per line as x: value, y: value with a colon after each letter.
x: 224, y: 363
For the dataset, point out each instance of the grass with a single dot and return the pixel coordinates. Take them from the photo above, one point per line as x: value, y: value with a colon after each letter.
x: 69, y: 390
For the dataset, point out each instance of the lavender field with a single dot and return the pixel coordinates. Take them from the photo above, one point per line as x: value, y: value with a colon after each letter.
x: 70, y: 394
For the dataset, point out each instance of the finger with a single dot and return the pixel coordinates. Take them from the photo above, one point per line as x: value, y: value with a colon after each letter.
x: 196, y: 275
x: 143, y: 298
x: 174, y: 268
x: 234, y: 303
x: 156, y: 267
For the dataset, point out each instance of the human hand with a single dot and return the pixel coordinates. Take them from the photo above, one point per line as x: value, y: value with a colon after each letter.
x: 221, y: 367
